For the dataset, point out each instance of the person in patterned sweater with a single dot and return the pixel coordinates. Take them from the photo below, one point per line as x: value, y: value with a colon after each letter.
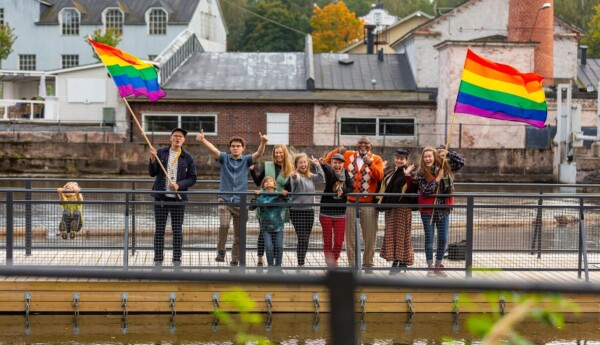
x: 365, y: 170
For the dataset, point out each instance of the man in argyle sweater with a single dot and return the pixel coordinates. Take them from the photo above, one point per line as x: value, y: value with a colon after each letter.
x: 366, y: 170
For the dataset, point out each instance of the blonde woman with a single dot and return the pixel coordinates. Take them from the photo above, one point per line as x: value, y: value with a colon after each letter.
x: 280, y: 168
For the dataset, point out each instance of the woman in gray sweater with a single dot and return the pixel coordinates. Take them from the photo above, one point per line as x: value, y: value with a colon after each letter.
x: 302, y: 213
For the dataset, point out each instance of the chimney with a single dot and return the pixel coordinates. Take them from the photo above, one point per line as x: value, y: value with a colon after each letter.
x: 533, y: 21
x: 584, y: 55
x: 370, y: 38
x: 380, y: 55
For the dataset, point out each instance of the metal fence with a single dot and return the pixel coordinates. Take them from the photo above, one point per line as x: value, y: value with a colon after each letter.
x: 503, y: 231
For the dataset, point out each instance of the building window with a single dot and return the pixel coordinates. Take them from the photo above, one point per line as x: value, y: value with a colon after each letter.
x: 69, y: 21
x: 278, y: 128
x: 113, y: 19
x: 157, y: 22
x: 164, y: 123
x: 27, y: 62
x: 379, y: 126
x: 70, y: 61
x: 1, y: 16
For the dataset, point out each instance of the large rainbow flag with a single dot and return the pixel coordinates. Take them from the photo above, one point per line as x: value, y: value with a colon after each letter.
x: 498, y: 91
x: 132, y: 75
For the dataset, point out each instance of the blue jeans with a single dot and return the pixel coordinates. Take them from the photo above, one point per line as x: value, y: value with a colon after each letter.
x: 442, y: 225
x: 273, y: 246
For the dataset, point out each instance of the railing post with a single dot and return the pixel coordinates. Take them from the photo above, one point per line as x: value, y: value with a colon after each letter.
x: 28, y: 218
x: 583, y: 244
x: 357, y: 241
x: 9, y: 228
x: 341, y: 286
x: 469, y: 249
x: 133, y: 227
x: 537, y: 229
x: 243, y: 226
x: 126, y: 234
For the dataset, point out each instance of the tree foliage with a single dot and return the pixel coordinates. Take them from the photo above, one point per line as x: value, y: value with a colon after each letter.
x: 7, y: 39
x: 260, y: 33
x: 335, y: 27
x: 111, y: 37
x: 592, y: 39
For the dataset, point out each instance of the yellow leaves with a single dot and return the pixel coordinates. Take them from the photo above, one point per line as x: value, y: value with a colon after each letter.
x: 335, y: 27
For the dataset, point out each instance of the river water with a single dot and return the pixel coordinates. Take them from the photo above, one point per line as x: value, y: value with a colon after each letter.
x: 290, y: 329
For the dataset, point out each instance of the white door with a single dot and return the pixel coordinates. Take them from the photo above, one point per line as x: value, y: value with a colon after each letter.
x: 278, y: 128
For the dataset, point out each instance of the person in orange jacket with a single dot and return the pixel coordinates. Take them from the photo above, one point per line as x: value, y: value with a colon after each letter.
x: 366, y: 170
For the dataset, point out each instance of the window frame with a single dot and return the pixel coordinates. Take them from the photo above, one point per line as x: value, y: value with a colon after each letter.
x: 377, y: 124
x: 105, y: 19
x: 2, y: 16
x: 22, y: 62
x: 151, y: 25
x: 67, y: 56
x: 73, y: 29
x: 179, y: 116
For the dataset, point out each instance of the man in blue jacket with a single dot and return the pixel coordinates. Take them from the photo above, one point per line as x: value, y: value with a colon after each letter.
x: 181, y: 169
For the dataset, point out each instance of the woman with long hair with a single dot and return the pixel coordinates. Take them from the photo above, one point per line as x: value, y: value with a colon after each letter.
x: 436, y: 176
x: 279, y: 168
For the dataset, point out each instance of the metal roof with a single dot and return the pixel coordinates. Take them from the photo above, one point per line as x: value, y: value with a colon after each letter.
x: 288, y: 71
x: 179, y: 11
x: 363, y: 72
x: 589, y: 74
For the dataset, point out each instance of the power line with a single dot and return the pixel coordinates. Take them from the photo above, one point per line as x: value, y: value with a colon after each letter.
x: 267, y: 19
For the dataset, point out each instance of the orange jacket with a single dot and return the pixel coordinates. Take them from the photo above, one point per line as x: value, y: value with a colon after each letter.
x: 371, y: 174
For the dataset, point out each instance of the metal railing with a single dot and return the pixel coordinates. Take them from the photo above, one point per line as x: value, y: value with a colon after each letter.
x: 503, y: 231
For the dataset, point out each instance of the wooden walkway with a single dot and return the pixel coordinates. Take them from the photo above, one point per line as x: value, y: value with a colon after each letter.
x: 56, y: 295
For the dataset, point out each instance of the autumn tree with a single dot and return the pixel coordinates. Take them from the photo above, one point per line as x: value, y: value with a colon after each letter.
x: 7, y: 39
x: 335, y: 27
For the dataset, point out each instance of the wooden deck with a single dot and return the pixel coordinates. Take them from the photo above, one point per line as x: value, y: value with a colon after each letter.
x: 55, y: 295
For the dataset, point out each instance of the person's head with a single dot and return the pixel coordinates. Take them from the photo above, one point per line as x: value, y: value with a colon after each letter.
x: 70, y: 186
x: 236, y: 146
x: 302, y: 164
x: 363, y: 145
x: 429, y: 160
x: 268, y: 184
x: 177, y: 138
x: 337, y: 163
x: 401, y: 157
x: 281, y: 157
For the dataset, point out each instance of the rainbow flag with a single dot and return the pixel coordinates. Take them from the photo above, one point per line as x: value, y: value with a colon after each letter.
x: 131, y: 75
x: 498, y: 91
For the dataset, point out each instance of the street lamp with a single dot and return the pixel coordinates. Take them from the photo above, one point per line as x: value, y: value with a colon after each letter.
x: 544, y: 6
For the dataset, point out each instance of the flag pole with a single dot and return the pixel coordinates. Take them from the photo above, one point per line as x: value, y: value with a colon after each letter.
x: 444, y: 163
x: 149, y: 144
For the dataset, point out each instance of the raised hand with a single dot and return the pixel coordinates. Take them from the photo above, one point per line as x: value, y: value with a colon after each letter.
x: 367, y: 159
x: 263, y: 138
x: 408, y: 169
x: 383, y: 164
x: 314, y: 161
x: 442, y: 152
x: 200, y: 136
x: 342, y: 149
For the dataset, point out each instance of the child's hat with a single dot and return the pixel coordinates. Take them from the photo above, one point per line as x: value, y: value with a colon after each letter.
x: 179, y: 130
x: 339, y: 157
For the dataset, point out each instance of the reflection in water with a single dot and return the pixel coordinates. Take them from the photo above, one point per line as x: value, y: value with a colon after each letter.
x: 281, y: 329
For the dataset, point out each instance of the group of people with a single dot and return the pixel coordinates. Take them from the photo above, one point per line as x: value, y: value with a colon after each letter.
x: 287, y: 183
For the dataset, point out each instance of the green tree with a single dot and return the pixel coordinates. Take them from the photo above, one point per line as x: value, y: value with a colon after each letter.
x: 111, y: 37
x: 407, y: 7
x: 335, y: 27
x: 234, y: 15
x: 592, y: 39
x: 261, y: 33
x: 7, y: 39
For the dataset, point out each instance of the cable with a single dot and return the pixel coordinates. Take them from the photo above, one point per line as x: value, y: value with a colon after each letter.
x: 267, y: 19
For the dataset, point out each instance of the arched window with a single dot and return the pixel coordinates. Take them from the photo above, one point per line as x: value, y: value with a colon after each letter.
x: 157, y: 21
x: 69, y: 22
x: 113, y: 19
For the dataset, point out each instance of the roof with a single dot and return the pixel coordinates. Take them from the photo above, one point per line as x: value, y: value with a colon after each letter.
x: 287, y: 72
x: 358, y: 71
x: 179, y: 11
x: 240, y: 71
x: 589, y: 74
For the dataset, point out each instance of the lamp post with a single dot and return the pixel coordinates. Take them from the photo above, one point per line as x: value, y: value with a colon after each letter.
x: 544, y: 6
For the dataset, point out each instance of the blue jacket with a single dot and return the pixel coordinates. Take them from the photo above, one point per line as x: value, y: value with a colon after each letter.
x: 186, y: 172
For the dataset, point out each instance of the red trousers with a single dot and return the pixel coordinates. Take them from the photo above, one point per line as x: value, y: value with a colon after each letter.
x: 332, y: 227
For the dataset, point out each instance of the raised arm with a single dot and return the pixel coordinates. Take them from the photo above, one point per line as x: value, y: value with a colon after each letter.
x: 261, y: 147
x: 213, y: 150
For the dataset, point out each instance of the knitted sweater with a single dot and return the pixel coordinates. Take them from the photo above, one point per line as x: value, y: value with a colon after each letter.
x: 365, y: 179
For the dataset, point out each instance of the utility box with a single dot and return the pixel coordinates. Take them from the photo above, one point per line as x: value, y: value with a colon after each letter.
x: 108, y: 116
